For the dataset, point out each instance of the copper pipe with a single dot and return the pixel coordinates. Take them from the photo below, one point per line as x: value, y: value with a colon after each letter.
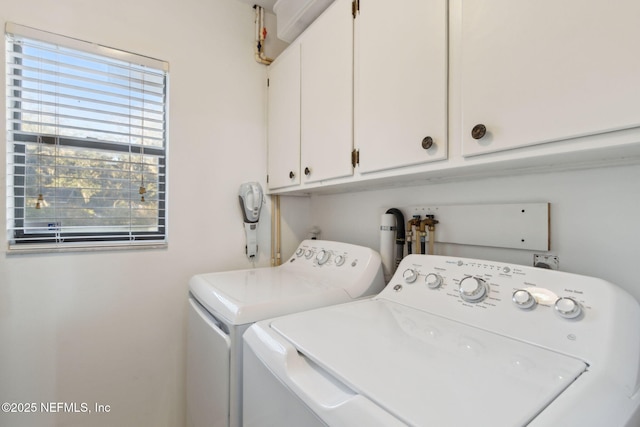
x: 429, y: 224
x: 412, y: 232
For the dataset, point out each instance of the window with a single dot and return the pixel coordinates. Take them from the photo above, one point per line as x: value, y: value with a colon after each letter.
x: 86, y: 144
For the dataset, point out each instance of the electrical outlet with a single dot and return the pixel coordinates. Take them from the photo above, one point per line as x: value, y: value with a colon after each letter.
x: 551, y: 262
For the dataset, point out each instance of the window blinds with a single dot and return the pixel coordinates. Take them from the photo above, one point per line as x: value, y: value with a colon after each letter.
x: 86, y: 144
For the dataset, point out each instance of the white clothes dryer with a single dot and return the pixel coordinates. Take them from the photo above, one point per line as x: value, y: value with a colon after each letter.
x: 453, y: 342
x: 223, y: 305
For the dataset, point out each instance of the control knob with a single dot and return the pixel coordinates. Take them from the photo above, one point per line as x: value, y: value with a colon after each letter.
x: 523, y: 299
x: 433, y: 280
x: 300, y: 252
x: 568, y: 308
x: 473, y: 289
x: 308, y: 254
x: 410, y: 275
x: 323, y: 256
x: 340, y: 259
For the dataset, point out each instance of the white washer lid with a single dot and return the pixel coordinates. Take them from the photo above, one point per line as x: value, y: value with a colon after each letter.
x: 427, y: 370
x: 246, y: 296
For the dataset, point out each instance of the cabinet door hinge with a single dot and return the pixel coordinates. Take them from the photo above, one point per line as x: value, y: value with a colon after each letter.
x: 267, y: 82
x: 355, y: 8
x: 267, y: 179
x: 355, y: 157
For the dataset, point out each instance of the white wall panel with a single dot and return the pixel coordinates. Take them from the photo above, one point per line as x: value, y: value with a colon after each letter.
x: 594, y: 217
x: 109, y: 327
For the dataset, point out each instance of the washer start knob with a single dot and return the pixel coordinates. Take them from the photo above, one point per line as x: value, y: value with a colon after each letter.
x: 568, y: 308
x: 473, y: 289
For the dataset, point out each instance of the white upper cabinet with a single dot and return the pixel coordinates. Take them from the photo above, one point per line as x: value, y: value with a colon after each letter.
x: 425, y: 88
x: 283, y: 130
x: 327, y: 95
x: 310, y: 107
x: 400, y: 83
x: 539, y: 71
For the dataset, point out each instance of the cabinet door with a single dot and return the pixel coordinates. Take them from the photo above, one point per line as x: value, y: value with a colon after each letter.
x: 401, y: 82
x: 546, y: 70
x: 327, y: 95
x: 284, y: 119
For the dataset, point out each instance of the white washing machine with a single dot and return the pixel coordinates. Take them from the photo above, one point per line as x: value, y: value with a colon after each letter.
x: 453, y: 342
x: 223, y: 305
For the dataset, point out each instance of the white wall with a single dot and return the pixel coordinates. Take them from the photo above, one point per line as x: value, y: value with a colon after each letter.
x: 296, y: 220
x: 594, y: 217
x: 109, y: 327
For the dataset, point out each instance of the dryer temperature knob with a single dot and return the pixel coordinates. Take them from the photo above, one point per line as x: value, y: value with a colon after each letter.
x: 473, y: 289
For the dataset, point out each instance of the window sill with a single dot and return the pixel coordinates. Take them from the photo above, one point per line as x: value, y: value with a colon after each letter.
x: 14, y: 249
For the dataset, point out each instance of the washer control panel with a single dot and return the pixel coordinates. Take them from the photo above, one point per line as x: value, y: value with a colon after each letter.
x: 487, y: 284
x: 549, y: 307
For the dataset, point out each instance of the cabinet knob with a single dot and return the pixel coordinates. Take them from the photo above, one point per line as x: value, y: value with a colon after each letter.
x: 292, y: 175
x: 307, y: 171
x: 427, y: 142
x: 478, y: 131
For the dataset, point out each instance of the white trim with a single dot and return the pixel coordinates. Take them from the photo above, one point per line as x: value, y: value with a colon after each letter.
x: 83, y: 247
x: 134, y: 58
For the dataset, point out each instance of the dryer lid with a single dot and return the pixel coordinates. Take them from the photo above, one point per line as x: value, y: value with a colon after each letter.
x: 427, y: 370
x: 246, y: 296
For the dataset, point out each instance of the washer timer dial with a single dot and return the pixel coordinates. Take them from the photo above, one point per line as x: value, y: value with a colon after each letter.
x: 473, y: 289
x: 323, y: 256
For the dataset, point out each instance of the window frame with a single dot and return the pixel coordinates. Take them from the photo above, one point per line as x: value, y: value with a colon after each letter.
x: 21, y: 241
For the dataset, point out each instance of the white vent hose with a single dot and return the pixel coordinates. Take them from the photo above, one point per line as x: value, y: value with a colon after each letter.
x: 387, y: 245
